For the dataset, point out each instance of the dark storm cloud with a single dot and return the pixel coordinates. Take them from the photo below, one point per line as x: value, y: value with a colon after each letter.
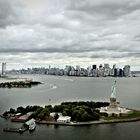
x: 72, y: 30
x: 107, y: 8
x: 48, y: 50
x: 10, y: 12
x: 120, y: 55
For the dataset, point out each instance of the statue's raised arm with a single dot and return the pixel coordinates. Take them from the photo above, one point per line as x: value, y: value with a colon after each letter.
x: 113, y: 90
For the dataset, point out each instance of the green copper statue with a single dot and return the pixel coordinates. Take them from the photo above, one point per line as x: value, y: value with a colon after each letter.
x: 113, y: 90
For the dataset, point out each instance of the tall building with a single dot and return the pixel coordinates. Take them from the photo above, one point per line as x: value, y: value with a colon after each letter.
x: 67, y: 70
x: 94, y: 67
x: 94, y: 70
x: 89, y: 70
x: 3, y: 68
x: 100, y: 71
x: 78, y: 70
x: 100, y: 66
x: 126, y: 70
x: 114, y: 66
x: 49, y: 67
x: 121, y: 73
x: 112, y: 72
x: 106, y: 66
x: 115, y: 72
x: 106, y: 70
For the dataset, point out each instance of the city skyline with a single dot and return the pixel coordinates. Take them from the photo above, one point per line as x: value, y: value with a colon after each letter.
x: 69, y: 32
x: 8, y: 67
x: 69, y: 70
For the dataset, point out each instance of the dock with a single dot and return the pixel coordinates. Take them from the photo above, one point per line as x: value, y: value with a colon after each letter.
x: 29, y: 125
x: 15, y: 130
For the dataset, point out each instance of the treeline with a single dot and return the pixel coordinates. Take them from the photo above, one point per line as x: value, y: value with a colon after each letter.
x: 19, y: 84
x: 79, y: 111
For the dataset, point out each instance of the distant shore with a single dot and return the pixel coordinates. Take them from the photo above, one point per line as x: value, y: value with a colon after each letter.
x: 19, y: 84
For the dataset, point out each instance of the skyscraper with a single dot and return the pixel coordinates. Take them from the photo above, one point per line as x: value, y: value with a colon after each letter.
x: 126, y: 70
x: 3, y: 68
x: 106, y: 70
x: 94, y: 67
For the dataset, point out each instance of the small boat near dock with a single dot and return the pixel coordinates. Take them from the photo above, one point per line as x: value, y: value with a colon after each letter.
x: 16, y: 130
x: 31, y: 124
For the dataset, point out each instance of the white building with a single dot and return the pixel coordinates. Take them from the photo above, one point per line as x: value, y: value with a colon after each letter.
x: 64, y: 119
x: 54, y: 113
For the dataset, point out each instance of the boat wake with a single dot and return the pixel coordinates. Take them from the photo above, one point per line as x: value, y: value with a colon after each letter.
x: 66, y: 79
x: 52, y: 86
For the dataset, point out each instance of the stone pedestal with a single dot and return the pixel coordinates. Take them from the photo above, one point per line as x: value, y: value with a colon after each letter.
x: 113, y: 103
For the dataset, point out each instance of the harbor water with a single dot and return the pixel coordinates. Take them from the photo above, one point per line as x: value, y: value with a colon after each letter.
x: 57, y: 89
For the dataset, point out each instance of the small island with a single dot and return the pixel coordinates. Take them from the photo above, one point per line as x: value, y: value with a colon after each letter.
x: 77, y: 111
x: 19, y: 84
x: 69, y: 113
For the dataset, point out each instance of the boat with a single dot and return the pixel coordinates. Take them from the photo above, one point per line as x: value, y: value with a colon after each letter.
x: 31, y: 124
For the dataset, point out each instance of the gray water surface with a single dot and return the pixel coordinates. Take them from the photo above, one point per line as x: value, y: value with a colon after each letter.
x: 55, y: 90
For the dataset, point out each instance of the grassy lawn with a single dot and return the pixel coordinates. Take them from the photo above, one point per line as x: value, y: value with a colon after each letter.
x: 135, y: 114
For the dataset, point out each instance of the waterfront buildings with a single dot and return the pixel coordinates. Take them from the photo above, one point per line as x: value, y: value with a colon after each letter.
x: 91, y: 71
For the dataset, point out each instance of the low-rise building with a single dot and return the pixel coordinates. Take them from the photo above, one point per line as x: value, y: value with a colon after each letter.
x: 64, y: 119
x: 54, y: 113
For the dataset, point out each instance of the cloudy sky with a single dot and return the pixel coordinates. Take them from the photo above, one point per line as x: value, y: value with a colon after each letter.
x: 69, y: 32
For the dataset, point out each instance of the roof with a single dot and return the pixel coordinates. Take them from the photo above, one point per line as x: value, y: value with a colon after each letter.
x: 30, y: 122
x: 18, y: 114
x: 64, y: 118
x: 53, y: 113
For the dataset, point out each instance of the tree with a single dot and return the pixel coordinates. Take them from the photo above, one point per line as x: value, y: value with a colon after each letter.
x: 49, y: 108
x: 64, y: 113
x: 12, y: 111
x: 58, y: 108
x: 56, y: 116
x: 43, y: 113
x: 21, y: 110
x: 5, y: 113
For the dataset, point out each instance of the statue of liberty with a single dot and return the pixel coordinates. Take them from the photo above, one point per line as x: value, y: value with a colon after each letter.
x: 113, y: 103
x: 113, y: 90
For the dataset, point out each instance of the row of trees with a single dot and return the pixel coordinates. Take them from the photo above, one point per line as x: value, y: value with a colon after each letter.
x: 19, y: 84
x: 79, y: 111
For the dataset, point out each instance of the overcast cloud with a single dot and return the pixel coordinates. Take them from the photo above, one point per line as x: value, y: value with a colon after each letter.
x: 75, y: 32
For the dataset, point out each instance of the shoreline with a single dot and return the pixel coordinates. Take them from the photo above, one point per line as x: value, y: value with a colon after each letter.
x: 43, y: 122
x: 78, y: 124
x: 90, y: 123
